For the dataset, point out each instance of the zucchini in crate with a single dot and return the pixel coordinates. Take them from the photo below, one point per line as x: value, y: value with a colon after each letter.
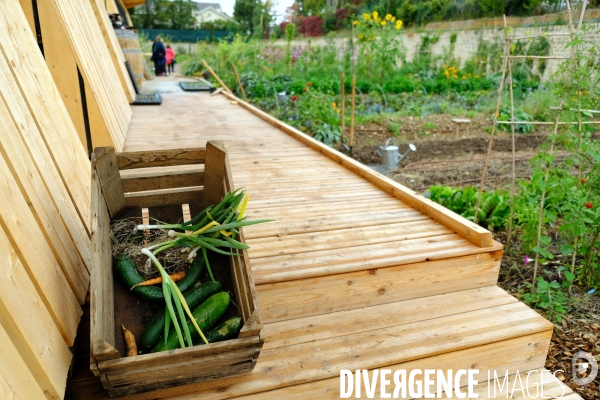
x: 130, y: 276
x: 206, y: 315
x: 194, y: 297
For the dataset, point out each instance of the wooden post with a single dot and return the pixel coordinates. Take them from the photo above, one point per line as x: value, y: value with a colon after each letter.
x: 352, y: 112
x: 216, y: 76
x: 343, y: 106
x: 237, y: 78
x: 214, y: 172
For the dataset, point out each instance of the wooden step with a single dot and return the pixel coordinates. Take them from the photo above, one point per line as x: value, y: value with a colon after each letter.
x: 330, y: 389
x: 310, y: 264
x: 313, y: 296
x: 473, y: 334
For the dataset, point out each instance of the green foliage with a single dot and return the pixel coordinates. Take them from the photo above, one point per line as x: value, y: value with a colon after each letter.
x: 163, y: 14
x: 549, y: 296
x: 519, y: 115
x: 290, y: 32
x: 220, y: 25
x: 243, y: 13
x: 327, y: 134
x: 493, y: 211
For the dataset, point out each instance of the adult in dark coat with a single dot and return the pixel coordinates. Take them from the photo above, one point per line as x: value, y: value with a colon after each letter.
x: 159, y: 57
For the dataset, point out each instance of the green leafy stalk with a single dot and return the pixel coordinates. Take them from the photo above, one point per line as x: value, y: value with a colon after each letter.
x: 167, y: 294
x: 212, y: 278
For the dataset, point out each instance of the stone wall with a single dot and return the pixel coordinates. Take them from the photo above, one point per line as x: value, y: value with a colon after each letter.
x: 469, y: 33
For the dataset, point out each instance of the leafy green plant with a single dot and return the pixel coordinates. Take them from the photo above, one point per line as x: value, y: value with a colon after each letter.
x: 493, y: 211
x: 520, y: 116
x: 327, y: 134
x: 549, y: 296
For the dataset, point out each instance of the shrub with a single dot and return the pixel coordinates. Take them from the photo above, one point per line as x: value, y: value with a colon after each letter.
x: 312, y: 26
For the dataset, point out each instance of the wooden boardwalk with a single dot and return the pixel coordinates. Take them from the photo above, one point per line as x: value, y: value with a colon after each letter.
x: 348, y: 276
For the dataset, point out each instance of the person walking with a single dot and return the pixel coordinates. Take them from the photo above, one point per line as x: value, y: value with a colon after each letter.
x: 170, y: 55
x: 159, y: 57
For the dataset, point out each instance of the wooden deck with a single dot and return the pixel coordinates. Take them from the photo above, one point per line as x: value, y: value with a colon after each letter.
x: 349, y: 276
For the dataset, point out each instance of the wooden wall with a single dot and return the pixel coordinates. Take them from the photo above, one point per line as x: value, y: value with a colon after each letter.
x: 45, y: 183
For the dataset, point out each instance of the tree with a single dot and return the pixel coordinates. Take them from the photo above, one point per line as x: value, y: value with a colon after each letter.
x: 150, y: 14
x: 243, y: 13
x: 180, y: 14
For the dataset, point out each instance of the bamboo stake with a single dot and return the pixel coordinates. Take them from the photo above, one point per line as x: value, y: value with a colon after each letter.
x: 541, y: 57
x: 343, y: 105
x: 237, y: 78
x: 491, y: 141
x: 548, y: 123
x: 541, y: 35
x: 512, y: 126
x: 216, y: 76
x: 352, y: 112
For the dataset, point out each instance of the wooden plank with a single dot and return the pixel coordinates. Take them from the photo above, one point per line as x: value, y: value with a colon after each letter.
x: 462, y: 226
x: 113, y: 47
x: 28, y: 90
x: 34, y: 161
x: 29, y: 185
x: 315, y: 296
x: 337, y: 239
x: 24, y: 317
x: 102, y: 318
x: 510, y: 337
x: 62, y: 66
x: 27, y: 6
x: 16, y: 380
x: 359, y: 258
x: 105, y: 166
x: 155, y: 180
x: 84, y: 38
x: 373, y: 315
x: 294, y: 225
x: 330, y: 389
x: 38, y: 259
x: 160, y: 158
x: 214, y: 172
x: 155, y: 198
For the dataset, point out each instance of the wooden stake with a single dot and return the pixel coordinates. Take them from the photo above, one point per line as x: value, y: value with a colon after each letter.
x: 216, y: 76
x: 512, y: 128
x: 237, y: 78
x: 343, y: 106
x: 352, y: 112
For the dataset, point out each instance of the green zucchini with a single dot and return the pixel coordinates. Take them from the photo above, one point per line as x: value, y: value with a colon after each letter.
x: 206, y: 315
x: 194, y: 297
x: 225, y: 331
x: 130, y: 276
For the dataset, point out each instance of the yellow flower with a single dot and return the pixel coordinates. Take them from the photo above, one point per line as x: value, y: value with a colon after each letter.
x: 366, y: 17
x: 393, y: 19
x: 398, y: 24
x: 355, y: 22
x: 388, y: 17
x: 383, y: 23
x: 476, y: 76
x: 376, y: 19
x: 360, y: 36
x: 464, y: 77
x: 375, y: 14
x: 334, y: 105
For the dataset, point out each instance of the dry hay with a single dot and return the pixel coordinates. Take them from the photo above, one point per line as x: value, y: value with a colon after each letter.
x: 125, y: 239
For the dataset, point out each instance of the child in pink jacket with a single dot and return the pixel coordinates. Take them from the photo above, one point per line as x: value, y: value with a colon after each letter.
x: 170, y: 55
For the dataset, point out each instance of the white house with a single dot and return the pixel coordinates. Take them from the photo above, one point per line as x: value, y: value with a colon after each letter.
x: 210, y: 12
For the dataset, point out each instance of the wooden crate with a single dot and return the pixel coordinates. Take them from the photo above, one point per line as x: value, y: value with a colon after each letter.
x: 126, y: 183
